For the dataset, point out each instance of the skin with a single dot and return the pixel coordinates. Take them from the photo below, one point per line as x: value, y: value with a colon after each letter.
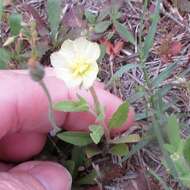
x: 24, y: 126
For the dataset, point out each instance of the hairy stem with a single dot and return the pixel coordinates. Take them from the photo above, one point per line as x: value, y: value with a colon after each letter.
x: 55, y: 129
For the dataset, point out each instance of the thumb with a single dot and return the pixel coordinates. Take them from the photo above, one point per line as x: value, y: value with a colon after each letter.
x: 36, y: 175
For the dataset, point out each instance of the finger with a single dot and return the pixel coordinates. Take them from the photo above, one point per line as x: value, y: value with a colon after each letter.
x: 5, y: 167
x: 44, y: 172
x: 21, y: 146
x: 24, y: 114
x: 36, y: 176
x: 26, y: 106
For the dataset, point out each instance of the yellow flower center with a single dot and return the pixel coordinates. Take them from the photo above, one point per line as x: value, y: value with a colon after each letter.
x: 81, y: 68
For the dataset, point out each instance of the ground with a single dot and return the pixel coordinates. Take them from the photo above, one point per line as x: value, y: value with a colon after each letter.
x: 171, y: 46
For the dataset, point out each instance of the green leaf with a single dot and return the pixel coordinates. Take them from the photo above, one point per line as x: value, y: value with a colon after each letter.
x: 150, y: 36
x: 70, y: 165
x: 133, y: 138
x: 103, y: 52
x: 102, y: 26
x: 78, y: 156
x: 97, y: 131
x: 141, y: 116
x: 124, y: 32
x: 162, y: 91
x: 72, y: 106
x: 15, y: 23
x: 136, y: 96
x: 186, y: 151
x: 1, y: 9
x: 92, y: 150
x: 101, y: 114
x: 170, y: 148
x: 90, y: 17
x: 75, y: 138
x: 121, y: 71
x: 163, y: 75
x: 89, y: 179
x: 54, y: 14
x: 120, y: 116
x: 5, y: 57
x: 173, y: 131
x: 114, y: 7
x: 120, y: 150
x: 185, y: 179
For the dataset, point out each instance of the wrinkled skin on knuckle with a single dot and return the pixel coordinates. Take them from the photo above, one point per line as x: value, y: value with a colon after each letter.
x: 18, y: 182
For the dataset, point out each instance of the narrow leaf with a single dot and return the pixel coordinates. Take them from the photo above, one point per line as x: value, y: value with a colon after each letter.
x: 75, y: 138
x: 133, y: 138
x: 136, y: 96
x: 72, y: 106
x: 54, y: 13
x: 5, y: 57
x: 120, y: 150
x: 102, y: 26
x: 124, y: 32
x: 15, y: 23
x: 120, y: 116
x: 163, y: 75
x: 170, y: 148
x: 121, y: 71
x: 151, y: 34
x: 186, y: 151
x: 173, y: 131
x: 1, y: 9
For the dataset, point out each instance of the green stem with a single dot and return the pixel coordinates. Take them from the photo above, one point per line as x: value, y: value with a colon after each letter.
x: 97, y: 107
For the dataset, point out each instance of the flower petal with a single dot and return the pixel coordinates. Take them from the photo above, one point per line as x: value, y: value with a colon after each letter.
x: 67, y: 77
x: 86, y: 49
x: 65, y: 56
x: 57, y: 60
x: 67, y: 51
x: 89, y: 79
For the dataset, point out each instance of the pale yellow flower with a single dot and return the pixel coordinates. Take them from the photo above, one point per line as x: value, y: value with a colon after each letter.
x: 76, y: 62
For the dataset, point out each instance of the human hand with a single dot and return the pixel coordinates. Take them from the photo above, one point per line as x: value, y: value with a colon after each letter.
x: 24, y: 126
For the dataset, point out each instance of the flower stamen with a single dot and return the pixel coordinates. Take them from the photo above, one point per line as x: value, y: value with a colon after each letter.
x: 80, y: 69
